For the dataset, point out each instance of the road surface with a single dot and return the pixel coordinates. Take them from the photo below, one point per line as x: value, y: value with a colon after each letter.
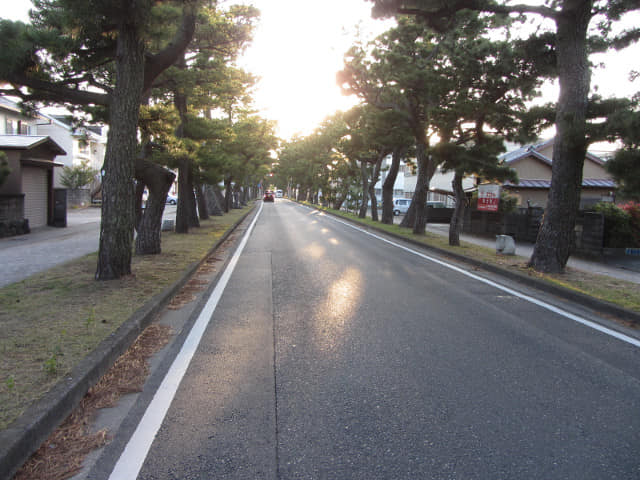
x: 333, y: 354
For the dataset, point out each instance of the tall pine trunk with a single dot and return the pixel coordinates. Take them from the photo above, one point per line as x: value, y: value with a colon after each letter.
x: 422, y: 188
x: 159, y: 180
x: 220, y: 199
x: 372, y: 186
x: 457, y: 219
x: 213, y: 205
x: 556, y: 235
x: 118, y: 210
x: 203, y: 209
x: 364, y: 175
x: 387, y: 187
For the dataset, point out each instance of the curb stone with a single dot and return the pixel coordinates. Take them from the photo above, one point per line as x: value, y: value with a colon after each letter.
x: 600, y: 306
x: 25, y: 434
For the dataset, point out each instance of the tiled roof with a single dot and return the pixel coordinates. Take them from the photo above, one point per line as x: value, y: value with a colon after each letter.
x: 27, y: 142
x: 533, y: 151
x: 587, y: 182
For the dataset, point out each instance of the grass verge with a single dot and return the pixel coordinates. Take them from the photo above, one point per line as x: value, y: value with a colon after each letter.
x: 52, y: 320
x: 619, y: 292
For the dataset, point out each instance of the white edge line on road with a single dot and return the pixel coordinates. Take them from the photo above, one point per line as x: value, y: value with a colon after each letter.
x: 620, y: 336
x: 132, y: 458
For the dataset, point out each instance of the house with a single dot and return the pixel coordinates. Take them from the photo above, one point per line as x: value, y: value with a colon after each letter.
x: 85, y: 144
x: 440, y: 187
x: 28, y: 191
x: 533, y: 164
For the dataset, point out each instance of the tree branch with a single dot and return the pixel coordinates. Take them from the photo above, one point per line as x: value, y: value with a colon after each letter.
x: 49, y: 91
x: 409, y: 8
x: 156, y: 64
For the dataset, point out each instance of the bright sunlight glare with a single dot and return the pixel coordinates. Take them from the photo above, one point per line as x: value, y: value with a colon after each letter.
x: 297, y: 50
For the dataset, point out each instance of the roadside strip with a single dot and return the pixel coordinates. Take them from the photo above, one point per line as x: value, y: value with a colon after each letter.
x: 25, y: 435
x: 135, y: 453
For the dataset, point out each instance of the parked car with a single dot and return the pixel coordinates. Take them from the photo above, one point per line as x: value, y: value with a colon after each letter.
x: 268, y: 196
x: 401, y: 206
x: 172, y: 199
x: 278, y: 193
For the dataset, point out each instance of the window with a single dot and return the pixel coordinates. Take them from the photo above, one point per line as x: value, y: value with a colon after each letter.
x: 24, y: 128
x: 16, y: 127
x: 11, y: 126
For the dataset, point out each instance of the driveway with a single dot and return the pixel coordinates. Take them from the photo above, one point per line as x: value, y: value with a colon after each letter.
x: 46, y: 247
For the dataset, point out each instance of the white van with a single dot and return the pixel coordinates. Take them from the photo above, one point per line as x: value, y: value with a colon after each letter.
x: 401, y: 206
x: 278, y: 193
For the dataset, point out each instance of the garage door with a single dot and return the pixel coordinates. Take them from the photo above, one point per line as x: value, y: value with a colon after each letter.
x: 35, y: 187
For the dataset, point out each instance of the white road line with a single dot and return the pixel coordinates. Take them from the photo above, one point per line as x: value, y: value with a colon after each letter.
x: 135, y: 453
x: 607, y: 331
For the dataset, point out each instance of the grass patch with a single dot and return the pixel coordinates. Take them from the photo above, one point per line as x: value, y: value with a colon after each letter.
x: 52, y: 320
x: 619, y: 292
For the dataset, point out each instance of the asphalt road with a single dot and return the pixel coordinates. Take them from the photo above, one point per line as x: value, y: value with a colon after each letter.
x: 335, y: 355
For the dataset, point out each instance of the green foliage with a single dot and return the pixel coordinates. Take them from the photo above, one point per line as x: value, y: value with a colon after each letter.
x: 4, y: 168
x: 77, y: 176
x: 51, y: 365
x: 625, y: 166
x: 10, y: 383
x: 621, y: 224
x: 90, y: 321
x: 625, y: 169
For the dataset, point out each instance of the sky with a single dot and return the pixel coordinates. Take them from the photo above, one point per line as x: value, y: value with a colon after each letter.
x: 299, y: 45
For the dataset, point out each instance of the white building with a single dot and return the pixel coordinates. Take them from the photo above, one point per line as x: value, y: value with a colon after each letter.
x: 83, y: 144
x: 440, y: 188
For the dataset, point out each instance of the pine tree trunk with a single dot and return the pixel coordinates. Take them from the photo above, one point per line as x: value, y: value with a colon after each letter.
x: 457, y: 219
x: 556, y: 235
x: 158, y: 180
x: 182, y: 218
x: 228, y: 195
x: 387, y: 187
x: 203, y: 211
x: 220, y: 199
x: 372, y: 186
x: 364, y: 175
x: 426, y: 170
x: 118, y: 213
x: 213, y: 206
x: 192, y: 212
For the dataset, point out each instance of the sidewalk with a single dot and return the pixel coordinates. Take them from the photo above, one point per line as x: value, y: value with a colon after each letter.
x: 623, y: 268
x: 45, y: 247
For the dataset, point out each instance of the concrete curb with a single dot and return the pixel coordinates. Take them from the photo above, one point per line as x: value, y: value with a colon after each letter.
x: 25, y: 435
x: 585, y: 300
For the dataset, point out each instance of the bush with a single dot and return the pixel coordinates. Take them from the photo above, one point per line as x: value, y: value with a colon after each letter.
x: 633, y: 209
x: 620, y: 228
x: 78, y: 176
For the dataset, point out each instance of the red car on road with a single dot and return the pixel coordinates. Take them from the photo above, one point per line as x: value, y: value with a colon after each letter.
x: 268, y: 196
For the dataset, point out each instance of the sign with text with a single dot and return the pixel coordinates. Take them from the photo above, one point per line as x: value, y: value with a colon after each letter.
x: 488, y: 197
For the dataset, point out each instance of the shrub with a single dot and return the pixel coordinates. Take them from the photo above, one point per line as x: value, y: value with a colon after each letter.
x: 618, y: 226
x: 78, y: 176
x: 633, y: 209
